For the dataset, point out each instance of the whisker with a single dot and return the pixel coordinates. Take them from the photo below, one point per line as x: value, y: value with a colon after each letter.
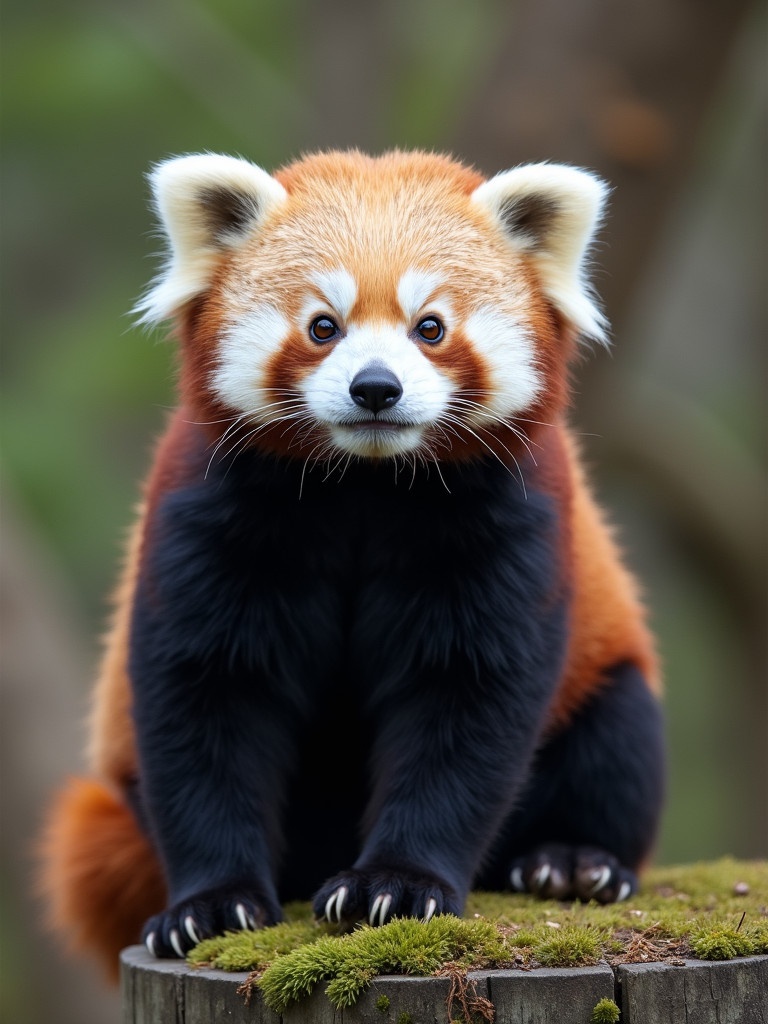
x: 448, y: 443
x: 306, y: 418
x: 446, y: 416
x: 538, y: 423
x: 235, y: 426
x: 520, y: 434
x: 241, y: 442
x: 346, y: 466
x: 304, y: 470
x: 325, y: 446
x: 469, y: 404
x: 439, y: 471
x: 209, y: 423
x: 237, y: 447
x: 301, y: 433
x: 334, y: 467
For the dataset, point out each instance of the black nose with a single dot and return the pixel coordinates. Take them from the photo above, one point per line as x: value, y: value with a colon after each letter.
x: 375, y: 388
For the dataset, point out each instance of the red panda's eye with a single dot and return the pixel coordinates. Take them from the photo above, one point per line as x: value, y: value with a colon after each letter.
x: 323, y: 329
x: 430, y: 330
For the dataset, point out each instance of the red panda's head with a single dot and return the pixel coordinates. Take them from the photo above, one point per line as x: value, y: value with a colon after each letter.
x: 379, y: 307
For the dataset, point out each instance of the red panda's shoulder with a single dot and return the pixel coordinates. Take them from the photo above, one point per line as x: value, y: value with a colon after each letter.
x: 607, y: 615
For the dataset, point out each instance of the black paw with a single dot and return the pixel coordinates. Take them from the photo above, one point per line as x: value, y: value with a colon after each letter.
x: 380, y: 893
x: 559, y: 872
x: 176, y: 930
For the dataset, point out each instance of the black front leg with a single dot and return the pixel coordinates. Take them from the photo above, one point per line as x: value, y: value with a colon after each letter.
x: 233, y: 640
x: 214, y: 750
x: 460, y: 635
x: 449, y: 759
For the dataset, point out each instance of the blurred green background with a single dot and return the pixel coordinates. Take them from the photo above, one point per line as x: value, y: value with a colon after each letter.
x: 664, y: 99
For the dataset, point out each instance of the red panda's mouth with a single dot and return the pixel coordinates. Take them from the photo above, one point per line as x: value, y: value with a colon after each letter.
x: 376, y: 438
x: 385, y: 426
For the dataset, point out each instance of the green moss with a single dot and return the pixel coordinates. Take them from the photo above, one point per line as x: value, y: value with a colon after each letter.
x: 525, y: 937
x: 569, y: 947
x: 721, y: 944
x: 382, y: 1004
x: 605, y: 1012
x: 253, y: 951
x: 405, y: 1018
x: 404, y: 946
x: 712, y: 911
x: 296, y: 973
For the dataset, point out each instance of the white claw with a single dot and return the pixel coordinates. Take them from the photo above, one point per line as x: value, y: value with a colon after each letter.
x: 431, y: 908
x: 386, y: 903
x: 602, y: 879
x: 242, y: 917
x: 540, y: 876
x: 516, y: 878
x: 624, y: 890
x: 340, y: 897
x: 149, y: 942
x: 176, y: 943
x: 335, y: 902
x: 374, y: 910
x: 191, y: 930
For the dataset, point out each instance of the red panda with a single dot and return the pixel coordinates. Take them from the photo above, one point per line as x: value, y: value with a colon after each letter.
x: 373, y: 643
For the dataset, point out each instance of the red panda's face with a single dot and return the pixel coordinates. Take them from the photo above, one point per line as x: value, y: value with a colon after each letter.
x: 376, y: 308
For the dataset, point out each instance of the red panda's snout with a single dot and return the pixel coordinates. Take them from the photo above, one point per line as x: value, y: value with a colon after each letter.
x: 376, y: 393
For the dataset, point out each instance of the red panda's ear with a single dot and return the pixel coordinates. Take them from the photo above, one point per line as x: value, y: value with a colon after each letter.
x: 551, y: 212
x: 206, y: 204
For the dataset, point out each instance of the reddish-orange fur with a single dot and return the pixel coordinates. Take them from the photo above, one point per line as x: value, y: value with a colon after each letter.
x: 607, y: 618
x: 102, y: 878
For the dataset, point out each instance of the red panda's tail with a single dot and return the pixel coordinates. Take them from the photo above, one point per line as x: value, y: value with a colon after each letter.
x: 100, y: 876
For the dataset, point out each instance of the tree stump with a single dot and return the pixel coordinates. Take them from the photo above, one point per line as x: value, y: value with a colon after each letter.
x: 700, y: 991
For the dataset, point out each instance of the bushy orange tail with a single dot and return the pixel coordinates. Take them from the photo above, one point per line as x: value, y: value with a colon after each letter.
x: 100, y: 875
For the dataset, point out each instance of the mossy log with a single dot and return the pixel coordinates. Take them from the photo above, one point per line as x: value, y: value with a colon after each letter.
x: 709, y: 992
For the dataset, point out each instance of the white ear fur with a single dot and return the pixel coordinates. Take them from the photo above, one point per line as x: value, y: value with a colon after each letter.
x: 206, y: 204
x: 552, y: 211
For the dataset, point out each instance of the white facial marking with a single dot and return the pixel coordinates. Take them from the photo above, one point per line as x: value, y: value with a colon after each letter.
x: 426, y: 391
x: 339, y: 288
x: 508, y: 352
x: 415, y: 288
x: 624, y: 890
x: 246, y: 347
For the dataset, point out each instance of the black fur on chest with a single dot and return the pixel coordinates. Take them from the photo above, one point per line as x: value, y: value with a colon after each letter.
x: 360, y: 578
